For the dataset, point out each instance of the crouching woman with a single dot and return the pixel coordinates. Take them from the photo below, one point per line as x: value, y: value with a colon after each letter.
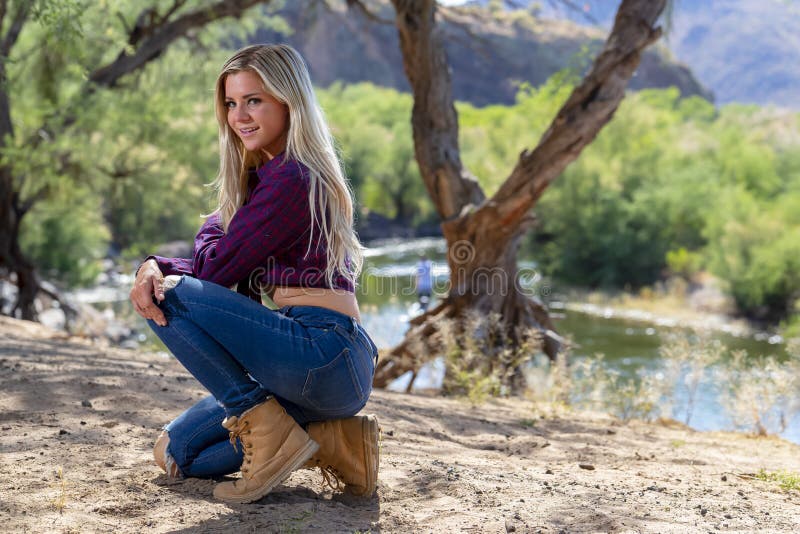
x: 285, y: 383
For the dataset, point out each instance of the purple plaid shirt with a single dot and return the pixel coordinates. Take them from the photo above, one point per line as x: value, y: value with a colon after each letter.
x: 267, y: 238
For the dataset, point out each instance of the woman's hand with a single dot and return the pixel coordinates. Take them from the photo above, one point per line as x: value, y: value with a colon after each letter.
x: 149, y: 283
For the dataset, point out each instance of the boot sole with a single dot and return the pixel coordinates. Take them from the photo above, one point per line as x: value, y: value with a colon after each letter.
x: 296, y: 461
x: 370, y: 428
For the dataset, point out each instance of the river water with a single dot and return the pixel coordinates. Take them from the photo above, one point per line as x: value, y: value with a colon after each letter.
x: 630, y: 347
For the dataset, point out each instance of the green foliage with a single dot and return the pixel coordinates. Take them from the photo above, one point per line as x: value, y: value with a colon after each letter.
x: 787, y: 480
x: 155, y: 166
x: 682, y: 262
x: 756, y: 249
x: 670, y: 186
x: 372, y: 126
x: 492, y: 137
x: 145, y: 148
x: 68, y: 239
x: 627, y: 201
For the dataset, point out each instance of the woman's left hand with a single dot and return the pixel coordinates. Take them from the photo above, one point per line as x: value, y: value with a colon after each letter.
x: 149, y: 283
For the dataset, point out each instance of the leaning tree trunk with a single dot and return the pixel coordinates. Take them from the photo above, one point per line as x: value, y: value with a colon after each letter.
x: 483, y: 234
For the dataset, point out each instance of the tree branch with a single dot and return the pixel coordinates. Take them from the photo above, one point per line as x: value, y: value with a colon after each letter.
x: 590, y: 106
x: 176, y: 5
x: 155, y: 38
x: 20, y: 15
x: 159, y: 34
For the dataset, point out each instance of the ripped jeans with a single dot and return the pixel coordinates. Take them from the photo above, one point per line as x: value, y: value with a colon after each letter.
x: 317, y: 363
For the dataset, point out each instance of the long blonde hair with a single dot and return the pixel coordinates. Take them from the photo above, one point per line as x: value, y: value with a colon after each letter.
x: 309, y: 141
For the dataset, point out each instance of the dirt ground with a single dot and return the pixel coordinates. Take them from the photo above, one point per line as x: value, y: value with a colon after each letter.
x: 78, y: 421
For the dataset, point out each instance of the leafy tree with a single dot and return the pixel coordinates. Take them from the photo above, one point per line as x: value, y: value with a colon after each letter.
x: 68, y: 67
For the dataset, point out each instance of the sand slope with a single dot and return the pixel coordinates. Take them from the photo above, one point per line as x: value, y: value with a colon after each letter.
x: 92, y: 413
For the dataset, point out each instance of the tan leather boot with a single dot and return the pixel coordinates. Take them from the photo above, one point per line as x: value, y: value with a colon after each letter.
x: 162, y: 457
x: 348, y: 452
x: 274, y: 446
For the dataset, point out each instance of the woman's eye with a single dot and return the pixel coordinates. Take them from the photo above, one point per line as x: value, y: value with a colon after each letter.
x: 253, y: 101
x: 230, y: 104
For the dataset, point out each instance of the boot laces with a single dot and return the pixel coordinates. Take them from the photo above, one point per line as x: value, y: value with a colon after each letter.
x: 332, y: 478
x: 236, y: 433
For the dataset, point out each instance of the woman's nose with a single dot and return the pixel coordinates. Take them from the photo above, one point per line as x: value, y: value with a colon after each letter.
x: 240, y: 114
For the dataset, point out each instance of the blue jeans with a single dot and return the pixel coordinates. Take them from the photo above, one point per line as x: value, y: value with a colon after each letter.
x: 317, y: 363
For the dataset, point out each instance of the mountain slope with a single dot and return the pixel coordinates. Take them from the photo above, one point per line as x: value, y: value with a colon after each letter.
x: 491, y: 52
x: 743, y: 50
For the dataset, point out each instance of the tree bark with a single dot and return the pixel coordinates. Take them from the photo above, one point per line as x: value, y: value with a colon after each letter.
x: 483, y: 234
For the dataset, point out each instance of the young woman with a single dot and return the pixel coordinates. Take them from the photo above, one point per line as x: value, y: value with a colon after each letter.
x: 286, y: 383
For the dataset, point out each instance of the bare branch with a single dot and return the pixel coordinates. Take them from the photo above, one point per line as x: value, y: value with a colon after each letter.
x: 24, y: 206
x: 120, y: 171
x: 143, y: 27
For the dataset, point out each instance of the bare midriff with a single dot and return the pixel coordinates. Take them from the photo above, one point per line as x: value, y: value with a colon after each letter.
x: 332, y: 299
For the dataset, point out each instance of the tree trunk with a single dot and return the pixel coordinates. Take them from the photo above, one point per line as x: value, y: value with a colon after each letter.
x: 483, y: 234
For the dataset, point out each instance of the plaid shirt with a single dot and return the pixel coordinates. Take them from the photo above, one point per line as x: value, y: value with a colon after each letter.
x: 267, y: 239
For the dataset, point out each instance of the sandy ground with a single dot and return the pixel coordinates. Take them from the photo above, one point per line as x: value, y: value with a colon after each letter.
x: 78, y: 421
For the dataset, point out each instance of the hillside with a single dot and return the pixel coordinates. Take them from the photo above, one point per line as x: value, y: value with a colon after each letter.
x: 79, y: 420
x: 490, y: 53
x: 743, y: 50
x: 746, y: 51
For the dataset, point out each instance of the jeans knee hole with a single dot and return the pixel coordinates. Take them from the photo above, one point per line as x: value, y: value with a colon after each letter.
x: 171, y: 281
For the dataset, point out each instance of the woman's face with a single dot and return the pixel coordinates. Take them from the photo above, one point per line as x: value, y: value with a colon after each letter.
x: 260, y: 121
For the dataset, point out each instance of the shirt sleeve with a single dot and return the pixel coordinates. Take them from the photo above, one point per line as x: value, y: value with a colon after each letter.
x: 169, y: 266
x: 275, y: 216
x: 209, y: 231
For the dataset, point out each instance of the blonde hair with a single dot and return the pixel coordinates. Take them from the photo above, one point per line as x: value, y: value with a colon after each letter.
x: 309, y: 141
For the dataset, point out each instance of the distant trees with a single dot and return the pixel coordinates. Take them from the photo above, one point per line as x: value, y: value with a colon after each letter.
x: 672, y: 187
x: 371, y: 125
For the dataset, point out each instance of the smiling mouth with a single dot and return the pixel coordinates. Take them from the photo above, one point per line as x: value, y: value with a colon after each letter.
x: 248, y: 131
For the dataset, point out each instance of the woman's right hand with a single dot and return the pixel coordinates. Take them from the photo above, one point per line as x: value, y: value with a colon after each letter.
x: 149, y: 283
